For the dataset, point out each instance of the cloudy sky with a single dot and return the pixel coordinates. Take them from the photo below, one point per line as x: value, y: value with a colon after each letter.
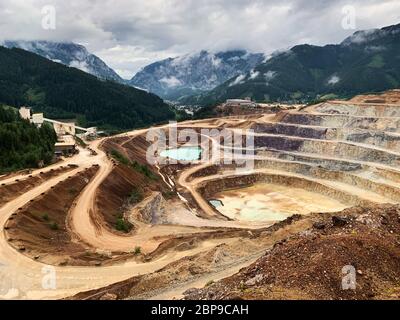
x: 129, y: 34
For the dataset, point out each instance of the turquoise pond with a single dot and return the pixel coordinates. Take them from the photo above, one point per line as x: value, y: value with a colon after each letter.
x: 216, y: 203
x: 182, y: 154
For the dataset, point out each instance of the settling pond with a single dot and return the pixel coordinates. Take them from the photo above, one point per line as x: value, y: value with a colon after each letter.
x: 266, y: 202
x: 182, y: 153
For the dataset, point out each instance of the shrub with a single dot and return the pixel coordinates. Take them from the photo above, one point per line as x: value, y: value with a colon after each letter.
x: 138, y: 250
x: 54, y: 226
x: 120, y: 157
x: 122, y: 225
x: 209, y: 283
x: 135, y: 196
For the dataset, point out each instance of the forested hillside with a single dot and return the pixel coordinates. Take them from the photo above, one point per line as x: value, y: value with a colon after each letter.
x: 368, y: 61
x: 22, y: 144
x: 63, y: 92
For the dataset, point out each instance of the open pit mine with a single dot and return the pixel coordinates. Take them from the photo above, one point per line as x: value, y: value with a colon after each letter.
x: 321, y: 196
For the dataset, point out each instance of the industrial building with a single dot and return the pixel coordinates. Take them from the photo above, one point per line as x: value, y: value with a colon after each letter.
x: 65, y: 131
x: 246, y: 102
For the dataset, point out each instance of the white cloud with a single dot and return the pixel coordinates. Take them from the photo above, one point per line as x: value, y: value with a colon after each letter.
x: 238, y: 80
x: 253, y: 74
x: 171, y: 82
x: 81, y: 65
x: 375, y: 48
x: 129, y: 34
x: 333, y: 80
x: 269, y: 75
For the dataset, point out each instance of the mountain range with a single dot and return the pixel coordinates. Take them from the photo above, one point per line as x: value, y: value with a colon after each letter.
x: 367, y: 61
x: 179, y: 77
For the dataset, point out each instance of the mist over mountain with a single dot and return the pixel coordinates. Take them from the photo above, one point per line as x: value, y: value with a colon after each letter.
x: 367, y: 61
x: 190, y: 74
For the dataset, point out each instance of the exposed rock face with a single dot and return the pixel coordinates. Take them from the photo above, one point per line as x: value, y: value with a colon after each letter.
x: 212, y: 187
x: 174, y: 78
x: 273, y: 128
x: 341, y: 120
x: 329, y: 148
x: 150, y: 210
x: 310, y: 264
x: 109, y: 296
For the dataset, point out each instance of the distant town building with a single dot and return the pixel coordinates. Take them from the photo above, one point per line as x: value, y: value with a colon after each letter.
x: 246, y: 102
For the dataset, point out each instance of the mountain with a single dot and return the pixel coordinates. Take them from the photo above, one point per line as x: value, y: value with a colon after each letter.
x: 63, y: 92
x: 367, y: 61
x: 175, y: 78
x: 70, y: 54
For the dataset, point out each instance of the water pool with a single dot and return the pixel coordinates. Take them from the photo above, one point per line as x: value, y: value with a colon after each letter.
x: 182, y: 153
x: 216, y: 203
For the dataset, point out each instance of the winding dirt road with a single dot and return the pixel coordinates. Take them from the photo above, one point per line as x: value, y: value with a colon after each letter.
x: 21, y: 277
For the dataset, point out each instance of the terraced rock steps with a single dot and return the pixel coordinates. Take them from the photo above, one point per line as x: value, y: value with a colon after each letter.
x: 349, y: 151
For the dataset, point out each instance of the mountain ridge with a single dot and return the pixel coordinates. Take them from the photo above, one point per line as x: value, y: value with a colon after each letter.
x: 174, y: 78
x: 64, y: 92
x: 70, y: 54
x: 367, y: 61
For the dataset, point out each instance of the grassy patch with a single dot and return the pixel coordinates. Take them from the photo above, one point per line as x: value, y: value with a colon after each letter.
x: 120, y: 157
x: 141, y: 168
x: 122, y: 225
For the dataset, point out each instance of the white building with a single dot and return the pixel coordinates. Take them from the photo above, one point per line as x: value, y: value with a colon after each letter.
x: 63, y: 128
x: 246, y: 102
x: 37, y: 119
x: 25, y: 113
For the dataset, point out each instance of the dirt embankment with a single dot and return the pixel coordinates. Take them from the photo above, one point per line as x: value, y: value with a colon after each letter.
x: 13, y: 190
x: 123, y: 188
x: 39, y: 229
x: 310, y: 264
x: 136, y: 148
x: 126, y: 185
x: 390, y: 97
x: 179, y: 273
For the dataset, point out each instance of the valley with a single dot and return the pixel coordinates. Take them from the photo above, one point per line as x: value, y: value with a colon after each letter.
x: 111, y: 225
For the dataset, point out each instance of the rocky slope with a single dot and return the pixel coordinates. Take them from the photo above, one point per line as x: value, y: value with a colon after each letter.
x: 174, y: 78
x: 70, y: 54
x: 309, y: 265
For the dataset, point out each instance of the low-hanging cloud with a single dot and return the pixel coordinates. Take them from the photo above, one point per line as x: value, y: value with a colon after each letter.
x: 129, y: 34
